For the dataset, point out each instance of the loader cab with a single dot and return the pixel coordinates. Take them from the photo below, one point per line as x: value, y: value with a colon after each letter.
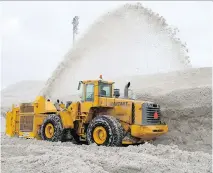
x: 92, y: 91
x: 95, y: 88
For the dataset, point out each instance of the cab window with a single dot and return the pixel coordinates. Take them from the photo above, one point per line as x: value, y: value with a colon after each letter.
x: 89, y: 92
x: 105, y: 90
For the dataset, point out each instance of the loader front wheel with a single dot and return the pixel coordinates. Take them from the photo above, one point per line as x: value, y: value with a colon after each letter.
x: 51, y: 129
x: 99, y: 135
x: 105, y: 130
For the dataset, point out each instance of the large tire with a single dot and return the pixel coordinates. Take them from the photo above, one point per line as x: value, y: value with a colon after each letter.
x: 113, y: 129
x: 52, y: 121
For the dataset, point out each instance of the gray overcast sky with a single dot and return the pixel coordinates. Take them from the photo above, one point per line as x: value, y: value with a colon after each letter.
x: 36, y: 35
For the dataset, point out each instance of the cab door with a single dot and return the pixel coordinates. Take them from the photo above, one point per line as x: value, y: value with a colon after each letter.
x: 88, y: 97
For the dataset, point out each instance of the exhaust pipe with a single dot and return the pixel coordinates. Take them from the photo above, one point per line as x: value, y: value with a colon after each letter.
x: 126, y: 90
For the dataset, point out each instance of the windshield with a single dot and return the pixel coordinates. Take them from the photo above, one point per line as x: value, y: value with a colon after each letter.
x: 105, y: 90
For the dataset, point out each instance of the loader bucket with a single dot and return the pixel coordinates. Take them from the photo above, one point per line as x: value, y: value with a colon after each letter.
x: 9, y: 130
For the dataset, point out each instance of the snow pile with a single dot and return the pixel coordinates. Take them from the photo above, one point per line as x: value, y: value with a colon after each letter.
x: 186, y: 102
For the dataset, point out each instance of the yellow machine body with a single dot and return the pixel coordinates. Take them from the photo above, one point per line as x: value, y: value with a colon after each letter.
x: 134, y: 115
x: 26, y: 119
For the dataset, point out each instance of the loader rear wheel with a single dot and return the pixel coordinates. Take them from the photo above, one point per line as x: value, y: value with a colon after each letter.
x: 51, y: 129
x: 105, y: 130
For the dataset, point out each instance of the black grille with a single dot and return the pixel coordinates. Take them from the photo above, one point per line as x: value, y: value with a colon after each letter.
x: 149, y: 111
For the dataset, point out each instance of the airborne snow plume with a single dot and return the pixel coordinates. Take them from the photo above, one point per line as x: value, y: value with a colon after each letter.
x: 130, y: 40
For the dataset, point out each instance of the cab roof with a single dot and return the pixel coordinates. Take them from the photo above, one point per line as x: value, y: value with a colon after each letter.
x: 95, y: 81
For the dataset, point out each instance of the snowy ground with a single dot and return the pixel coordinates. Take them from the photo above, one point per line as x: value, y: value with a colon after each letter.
x: 21, y: 155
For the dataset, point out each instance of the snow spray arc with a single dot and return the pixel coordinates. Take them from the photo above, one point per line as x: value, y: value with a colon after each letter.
x: 128, y: 38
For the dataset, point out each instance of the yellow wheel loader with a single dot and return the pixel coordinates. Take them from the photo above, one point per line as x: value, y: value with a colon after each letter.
x: 100, y: 117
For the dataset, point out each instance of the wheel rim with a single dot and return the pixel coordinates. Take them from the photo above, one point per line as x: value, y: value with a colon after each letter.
x: 49, y: 130
x: 99, y: 135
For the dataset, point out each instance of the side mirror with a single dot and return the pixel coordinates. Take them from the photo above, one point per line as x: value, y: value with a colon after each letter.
x: 117, y: 93
x: 79, y: 85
